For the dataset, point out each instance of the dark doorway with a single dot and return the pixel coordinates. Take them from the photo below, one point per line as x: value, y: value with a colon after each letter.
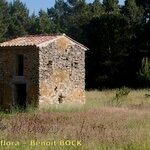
x: 20, y: 96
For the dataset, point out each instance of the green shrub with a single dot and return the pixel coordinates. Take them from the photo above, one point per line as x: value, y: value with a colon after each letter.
x: 144, y: 72
x: 120, y: 93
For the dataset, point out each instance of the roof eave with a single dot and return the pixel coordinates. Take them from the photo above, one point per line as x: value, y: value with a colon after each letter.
x: 17, y: 46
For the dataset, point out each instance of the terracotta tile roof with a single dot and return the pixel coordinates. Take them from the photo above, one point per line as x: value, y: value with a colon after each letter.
x: 36, y: 40
x: 28, y: 40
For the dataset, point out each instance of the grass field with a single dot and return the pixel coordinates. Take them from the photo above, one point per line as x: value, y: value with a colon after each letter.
x: 110, y: 120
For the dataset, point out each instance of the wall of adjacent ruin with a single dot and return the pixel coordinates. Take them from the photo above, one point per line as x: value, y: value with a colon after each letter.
x: 62, y: 73
x: 8, y: 72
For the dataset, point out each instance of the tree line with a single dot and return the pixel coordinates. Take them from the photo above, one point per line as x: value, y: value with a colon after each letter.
x: 118, y: 37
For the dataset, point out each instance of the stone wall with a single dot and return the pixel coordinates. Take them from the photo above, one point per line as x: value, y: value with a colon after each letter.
x: 53, y: 74
x: 8, y: 77
x: 62, y: 73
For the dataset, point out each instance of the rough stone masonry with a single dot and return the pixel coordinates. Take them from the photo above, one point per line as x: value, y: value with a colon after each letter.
x: 51, y: 71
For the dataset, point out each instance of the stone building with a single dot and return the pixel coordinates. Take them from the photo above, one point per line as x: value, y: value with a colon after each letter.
x: 42, y: 70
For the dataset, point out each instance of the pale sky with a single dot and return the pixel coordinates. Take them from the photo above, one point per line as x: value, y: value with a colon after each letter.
x: 36, y: 5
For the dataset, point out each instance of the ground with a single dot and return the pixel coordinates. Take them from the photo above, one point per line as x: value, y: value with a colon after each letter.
x: 110, y: 120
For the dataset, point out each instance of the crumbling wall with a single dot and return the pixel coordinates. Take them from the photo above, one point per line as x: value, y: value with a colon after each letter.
x: 62, y: 73
x: 8, y: 77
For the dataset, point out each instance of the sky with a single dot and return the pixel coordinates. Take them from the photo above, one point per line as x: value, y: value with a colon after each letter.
x: 36, y: 5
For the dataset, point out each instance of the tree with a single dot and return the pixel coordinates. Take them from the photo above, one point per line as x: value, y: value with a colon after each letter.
x: 146, y: 6
x: 4, y: 19
x: 97, y: 8
x: 144, y: 72
x: 45, y: 24
x: 142, y: 39
x: 107, y: 38
x: 133, y: 12
x: 33, y: 28
x: 19, y: 19
x: 111, y: 6
x: 74, y: 3
x: 79, y: 15
x: 58, y: 15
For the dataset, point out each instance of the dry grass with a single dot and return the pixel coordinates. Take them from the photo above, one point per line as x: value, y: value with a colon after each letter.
x: 99, y: 125
x: 135, y: 99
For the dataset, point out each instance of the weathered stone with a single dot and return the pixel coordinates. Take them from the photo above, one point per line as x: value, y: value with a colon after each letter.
x: 54, y: 73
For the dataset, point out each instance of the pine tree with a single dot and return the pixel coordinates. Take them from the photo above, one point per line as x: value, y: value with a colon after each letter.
x: 133, y: 13
x: 146, y: 6
x: 33, y: 28
x: 4, y: 19
x: 74, y: 3
x: 45, y: 24
x: 111, y: 6
x: 19, y: 19
x: 58, y: 14
x: 144, y: 73
x: 97, y: 8
x: 80, y: 14
x: 107, y: 39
